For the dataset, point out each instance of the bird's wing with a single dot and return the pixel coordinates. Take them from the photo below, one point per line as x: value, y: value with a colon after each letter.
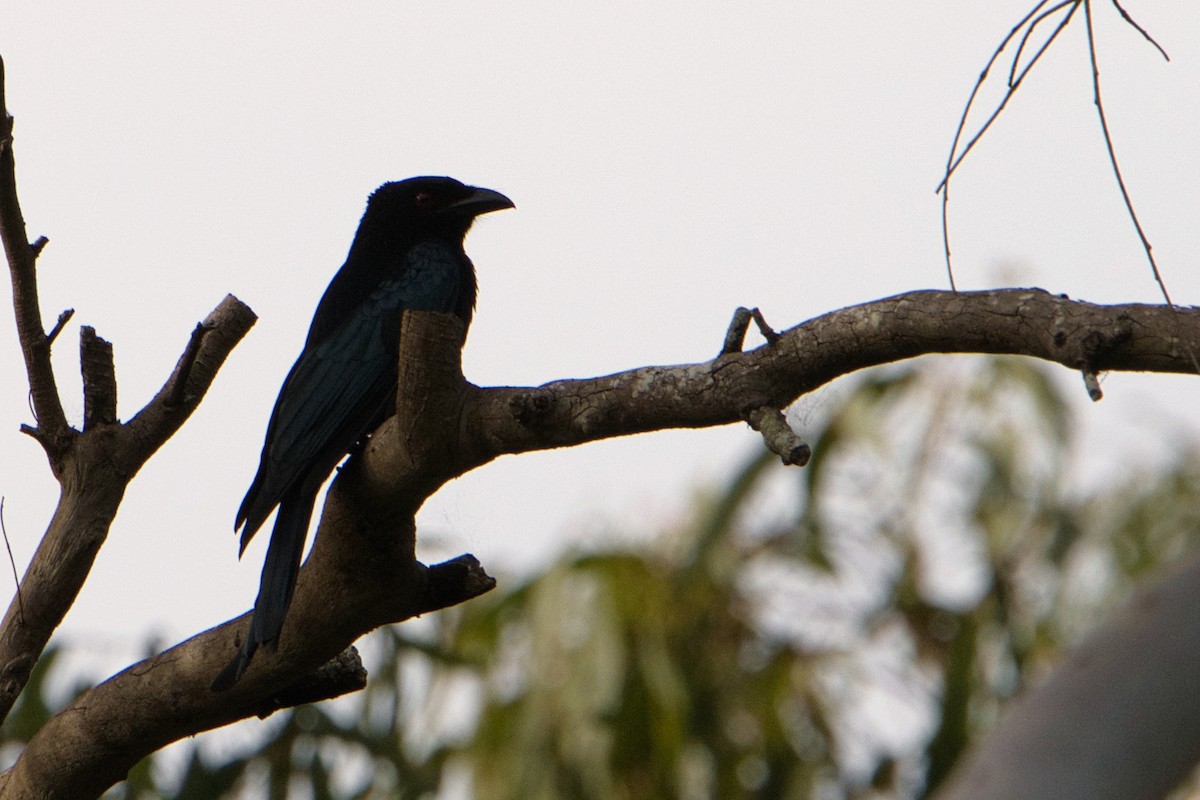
x: 332, y: 395
x: 340, y: 387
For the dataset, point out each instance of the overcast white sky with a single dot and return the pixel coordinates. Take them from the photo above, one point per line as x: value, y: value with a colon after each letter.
x: 669, y: 162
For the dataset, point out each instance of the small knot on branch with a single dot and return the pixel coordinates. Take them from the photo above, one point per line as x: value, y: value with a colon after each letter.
x: 1094, y: 347
x: 527, y: 407
x: 341, y: 675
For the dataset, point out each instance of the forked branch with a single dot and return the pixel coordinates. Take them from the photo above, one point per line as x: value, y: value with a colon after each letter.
x: 1023, y: 32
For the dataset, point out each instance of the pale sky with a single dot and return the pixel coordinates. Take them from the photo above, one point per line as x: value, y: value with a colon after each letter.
x: 669, y: 162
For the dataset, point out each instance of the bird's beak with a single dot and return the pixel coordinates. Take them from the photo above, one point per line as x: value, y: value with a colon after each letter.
x: 481, y: 201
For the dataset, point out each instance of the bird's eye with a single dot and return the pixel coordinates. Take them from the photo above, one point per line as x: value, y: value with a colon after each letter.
x: 423, y: 200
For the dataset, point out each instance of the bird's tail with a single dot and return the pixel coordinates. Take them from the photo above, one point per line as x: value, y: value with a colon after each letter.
x: 276, y: 586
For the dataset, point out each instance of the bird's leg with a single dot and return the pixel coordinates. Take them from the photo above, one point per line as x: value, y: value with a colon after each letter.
x: 738, y: 326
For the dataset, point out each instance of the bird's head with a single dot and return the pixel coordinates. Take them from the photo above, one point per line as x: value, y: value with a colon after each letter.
x: 434, y: 207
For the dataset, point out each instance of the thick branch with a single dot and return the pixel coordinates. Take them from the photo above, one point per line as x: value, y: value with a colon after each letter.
x: 1028, y: 322
x: 93, y: 473
x: 94, y: 742
x: 362, y: 572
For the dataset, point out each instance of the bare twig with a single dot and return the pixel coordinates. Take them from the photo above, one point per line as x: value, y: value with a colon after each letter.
x: 1029, y: 22
x: 362, y: 573
x: 1140, y: 29
x: 735, y: 336
x: 1019, y: 77
x: 63, y: 319
x: 956, y: 156
x: 1112, y: 154
x: 103, y: 460
x: 1013, y: 77
x: 1016, y: 74
x: 12, y: 562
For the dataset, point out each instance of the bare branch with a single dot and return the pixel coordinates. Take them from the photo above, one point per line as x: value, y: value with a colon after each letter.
x: 103, y: 460
x: 362, y: 571
x: 1016, y: 321
x: 208, y: 346
x: 52, y: 422
x: 167, y: 697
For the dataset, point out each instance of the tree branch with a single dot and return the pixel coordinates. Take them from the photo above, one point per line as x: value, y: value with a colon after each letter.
x: 209, y: 345
x: 52, y: 429
x: 93, y: 473
x: 1029, y: 322
x: 362, y: 571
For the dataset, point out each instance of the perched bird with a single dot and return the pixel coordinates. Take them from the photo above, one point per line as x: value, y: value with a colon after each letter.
x: 407, y: 254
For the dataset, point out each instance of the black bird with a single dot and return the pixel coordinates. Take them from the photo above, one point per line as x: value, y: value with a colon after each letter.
x: 407, y: 254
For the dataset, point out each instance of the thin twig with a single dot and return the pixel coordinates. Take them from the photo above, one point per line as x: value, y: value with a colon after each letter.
x: 962, y: 122
x: 951, y: 160
x: 1140, y: 29
x: 13, y: 563
x: 954, y: 160
x: 63, y: 319
x: 768, y: 333
x: 1074, y: 4
x: 1112, y: 154
x: 1013, y: 78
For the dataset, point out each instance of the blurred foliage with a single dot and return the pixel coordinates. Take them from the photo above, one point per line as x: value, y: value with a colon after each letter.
x: 837, y: 631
